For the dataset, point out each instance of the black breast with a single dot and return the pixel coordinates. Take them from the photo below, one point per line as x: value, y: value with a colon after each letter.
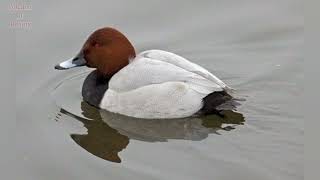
x: 94, y: 88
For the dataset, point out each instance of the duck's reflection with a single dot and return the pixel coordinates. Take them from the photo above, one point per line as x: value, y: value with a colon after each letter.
x: 109, y: 133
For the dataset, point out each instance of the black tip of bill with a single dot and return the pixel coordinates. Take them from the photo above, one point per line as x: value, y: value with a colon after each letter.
x: 58, y: 67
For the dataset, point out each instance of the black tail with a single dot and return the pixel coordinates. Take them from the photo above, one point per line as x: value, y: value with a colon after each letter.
x: 212, y: 101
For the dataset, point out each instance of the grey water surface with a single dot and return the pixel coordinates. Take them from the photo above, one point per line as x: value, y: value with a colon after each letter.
x: 254, y: 46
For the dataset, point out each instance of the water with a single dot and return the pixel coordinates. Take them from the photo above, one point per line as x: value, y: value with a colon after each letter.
x: 253, y: 46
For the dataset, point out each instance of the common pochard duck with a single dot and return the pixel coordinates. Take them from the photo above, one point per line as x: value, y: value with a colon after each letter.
x: 152, y: 84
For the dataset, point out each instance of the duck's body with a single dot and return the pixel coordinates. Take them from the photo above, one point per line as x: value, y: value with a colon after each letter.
x: 159, y: 84
x: 156, y: 84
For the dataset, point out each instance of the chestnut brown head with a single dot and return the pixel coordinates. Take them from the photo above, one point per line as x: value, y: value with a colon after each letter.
x: 106, y: 49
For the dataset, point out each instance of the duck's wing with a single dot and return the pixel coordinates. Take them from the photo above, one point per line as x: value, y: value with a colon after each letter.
x: 183, y: 63
x: 153, y: 88
x: 144, y: 71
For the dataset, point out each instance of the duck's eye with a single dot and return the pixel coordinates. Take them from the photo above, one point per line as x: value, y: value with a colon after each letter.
x: 96, y: 45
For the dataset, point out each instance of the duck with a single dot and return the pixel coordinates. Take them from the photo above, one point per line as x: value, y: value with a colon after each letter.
x: 153, y: 84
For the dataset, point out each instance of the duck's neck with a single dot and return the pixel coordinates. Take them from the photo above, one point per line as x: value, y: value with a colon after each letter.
x: 94, y: 87
x: 102, y: 78
x: 110, y: 68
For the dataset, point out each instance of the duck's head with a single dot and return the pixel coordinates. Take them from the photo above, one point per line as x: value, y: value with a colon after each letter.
x: 106, y: 49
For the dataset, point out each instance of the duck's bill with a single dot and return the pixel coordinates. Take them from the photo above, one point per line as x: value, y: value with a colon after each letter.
x: 71, y: 63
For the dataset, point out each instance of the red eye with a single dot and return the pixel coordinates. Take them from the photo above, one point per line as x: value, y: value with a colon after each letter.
x: 96, y: 45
